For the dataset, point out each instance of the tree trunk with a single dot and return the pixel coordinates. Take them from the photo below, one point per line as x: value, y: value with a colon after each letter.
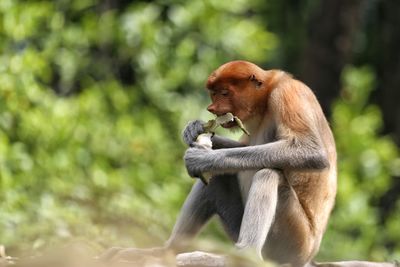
x: 387, y: 54
x: 330, y: 42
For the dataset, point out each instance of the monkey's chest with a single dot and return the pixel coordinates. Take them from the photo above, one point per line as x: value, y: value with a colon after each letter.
x: 245, y: 180
x: 245, y: 177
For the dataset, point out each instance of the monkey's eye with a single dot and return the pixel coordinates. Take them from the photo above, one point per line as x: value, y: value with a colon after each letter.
x: 224, y: 92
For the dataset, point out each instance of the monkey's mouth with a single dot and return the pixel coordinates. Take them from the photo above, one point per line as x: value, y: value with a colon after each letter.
x: 227, y: 120
x: 229, y: 124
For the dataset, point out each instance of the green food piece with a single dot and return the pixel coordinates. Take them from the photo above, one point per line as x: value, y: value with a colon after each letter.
x: 212, y: 125
x: 205, y: 178
x: 224, y: 118
x: 240, y: 124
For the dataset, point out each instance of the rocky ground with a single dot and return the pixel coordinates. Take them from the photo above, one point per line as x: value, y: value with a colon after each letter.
x: 82, y: 256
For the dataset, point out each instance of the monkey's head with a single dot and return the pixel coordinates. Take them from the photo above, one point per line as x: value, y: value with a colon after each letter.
x: 238, y: 87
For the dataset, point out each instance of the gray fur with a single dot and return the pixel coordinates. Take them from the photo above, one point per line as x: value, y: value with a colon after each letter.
x: 194, y: 128
x: 282, y: 154
x: 259, y: 210
x: 220, y: 197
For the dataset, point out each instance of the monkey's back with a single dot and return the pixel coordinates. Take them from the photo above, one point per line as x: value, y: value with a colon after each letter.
x: 304, y: 193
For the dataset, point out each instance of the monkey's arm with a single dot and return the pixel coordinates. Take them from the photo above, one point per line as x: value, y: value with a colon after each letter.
x: 295, y: 110
x: 282, y: 154
x: 223, y: 142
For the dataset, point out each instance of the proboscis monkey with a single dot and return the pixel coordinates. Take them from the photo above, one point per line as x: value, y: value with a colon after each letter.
x: 274, y: 189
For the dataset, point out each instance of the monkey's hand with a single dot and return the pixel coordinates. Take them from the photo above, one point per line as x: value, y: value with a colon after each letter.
x: 199, y: 160
x: 192, y: 131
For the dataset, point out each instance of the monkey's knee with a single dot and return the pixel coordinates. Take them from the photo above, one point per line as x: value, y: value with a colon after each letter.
x: 268, y: 176
x: 260, y: 209
x: 268, y: 173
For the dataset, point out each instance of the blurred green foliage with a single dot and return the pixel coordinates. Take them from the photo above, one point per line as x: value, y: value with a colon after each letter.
x: 90, y: 149
x: 93, y: 97
x: 366, y: 162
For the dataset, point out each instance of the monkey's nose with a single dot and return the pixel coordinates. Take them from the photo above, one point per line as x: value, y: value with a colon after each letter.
x: 211, y: 108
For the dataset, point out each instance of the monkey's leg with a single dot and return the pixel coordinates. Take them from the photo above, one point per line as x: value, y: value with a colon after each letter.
x: 260, y: 210
x: 197, y: 209
x: 199, y: 206
x: 294, y: 240
x: 229, y: 204
x: 222, y: 197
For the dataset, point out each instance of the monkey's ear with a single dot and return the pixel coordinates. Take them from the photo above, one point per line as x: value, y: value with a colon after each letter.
x: 256, y: 81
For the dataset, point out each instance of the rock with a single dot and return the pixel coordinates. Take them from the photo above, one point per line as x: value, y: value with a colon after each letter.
x: 200, y: 259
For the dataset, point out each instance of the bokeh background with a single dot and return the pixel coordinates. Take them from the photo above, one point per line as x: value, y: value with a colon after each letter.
x: 95, y: 93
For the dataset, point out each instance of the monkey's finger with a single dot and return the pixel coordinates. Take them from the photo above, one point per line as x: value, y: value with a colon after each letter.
x: 195, y: 131
x: 189, y: 137
x: 192, y: 131
x: 197, y: 175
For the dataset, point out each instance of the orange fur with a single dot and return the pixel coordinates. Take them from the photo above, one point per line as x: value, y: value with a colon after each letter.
x: 273, y: 102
